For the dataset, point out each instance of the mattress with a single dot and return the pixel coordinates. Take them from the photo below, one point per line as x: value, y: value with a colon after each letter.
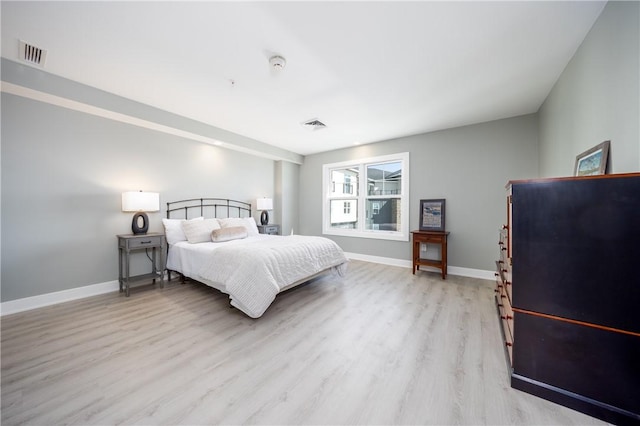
x: 253, y: 270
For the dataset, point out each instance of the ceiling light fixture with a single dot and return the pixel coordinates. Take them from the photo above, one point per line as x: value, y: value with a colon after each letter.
x: 277, y: 62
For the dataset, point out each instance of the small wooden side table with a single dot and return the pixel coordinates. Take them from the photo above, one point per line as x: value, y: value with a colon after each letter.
x: 130, y: 242
x: 430, y: 237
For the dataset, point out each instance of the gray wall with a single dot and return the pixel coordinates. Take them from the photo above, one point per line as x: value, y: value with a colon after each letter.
x: 63, y: 173
x: 286, y: 197
x: 597, y: 97
x: 468, y: 166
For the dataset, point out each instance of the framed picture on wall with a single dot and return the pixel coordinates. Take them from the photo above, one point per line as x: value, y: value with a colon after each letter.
x: 593, y: 161
x: 432, y: 215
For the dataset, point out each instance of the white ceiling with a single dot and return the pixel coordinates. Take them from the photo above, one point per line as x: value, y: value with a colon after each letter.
x: 370, y: 71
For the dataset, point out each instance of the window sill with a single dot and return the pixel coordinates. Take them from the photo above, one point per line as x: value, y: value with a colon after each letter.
x: 376, y: 235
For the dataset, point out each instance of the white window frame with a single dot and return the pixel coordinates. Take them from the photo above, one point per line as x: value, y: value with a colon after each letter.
x: 360, y: 231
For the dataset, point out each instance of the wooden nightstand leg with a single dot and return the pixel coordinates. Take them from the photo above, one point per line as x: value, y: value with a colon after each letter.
x: 120, y: 269
x: 126, y: 283
x: 162, y: 264
x: 154, y: 268
x: 444, y: 259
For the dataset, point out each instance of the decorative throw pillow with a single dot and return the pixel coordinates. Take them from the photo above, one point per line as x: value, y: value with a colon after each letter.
x: 173, y: 229
x: 199, y: 231
x: 228, y: 234
x: 248, y: 222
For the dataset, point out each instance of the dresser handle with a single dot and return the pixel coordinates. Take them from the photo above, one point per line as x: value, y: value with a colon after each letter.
x: 500, y: 243
x: 504, y: 270
x: 508, y: 343
x: 506, y: 317
x: 505, y: 227
x: 504, y: 248
x: 507, y: 282
x: 503, y: 296
x: 145, y: 242
x: 501, y: 262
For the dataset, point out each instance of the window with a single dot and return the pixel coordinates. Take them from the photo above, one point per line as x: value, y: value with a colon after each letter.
x: 367, y: 198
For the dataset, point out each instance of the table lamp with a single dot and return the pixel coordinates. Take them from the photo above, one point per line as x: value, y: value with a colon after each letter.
x: 264, y: 204
x: 140, y: 202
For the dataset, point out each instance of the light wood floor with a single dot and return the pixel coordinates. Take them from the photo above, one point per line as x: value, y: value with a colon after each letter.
x: 380, y: 346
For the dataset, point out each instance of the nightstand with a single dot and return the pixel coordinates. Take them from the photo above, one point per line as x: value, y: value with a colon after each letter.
x: 132, y: 242
x: 430, y: 237
x: 269, y: 229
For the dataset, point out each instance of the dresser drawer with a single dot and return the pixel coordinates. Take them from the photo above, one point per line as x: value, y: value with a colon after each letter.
x: 503, y: 278
x: 505, y: 310
x: 508, y: 341
x: 506, y: 323
x: 503, y: 244
x: 506, y: 278
x: 506, y: 313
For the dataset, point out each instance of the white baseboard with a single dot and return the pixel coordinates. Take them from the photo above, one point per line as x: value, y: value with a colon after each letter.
x: 453, y: 270
x: 28, y: 303
x: 378, y: 259
x: 472, y: 273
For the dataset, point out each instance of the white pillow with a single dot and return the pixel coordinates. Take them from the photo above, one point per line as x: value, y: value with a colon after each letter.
x: 247, y: 222
x: 199, y: 231
x: 228, y: 234
x: 173, y: 229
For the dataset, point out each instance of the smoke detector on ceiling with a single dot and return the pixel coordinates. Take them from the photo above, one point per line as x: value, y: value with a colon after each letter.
x: 32, y: 55
x: 277, y: 62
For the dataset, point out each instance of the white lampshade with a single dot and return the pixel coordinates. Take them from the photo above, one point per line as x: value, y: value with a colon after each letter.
x: 133, y: 201
x: 264, y: 204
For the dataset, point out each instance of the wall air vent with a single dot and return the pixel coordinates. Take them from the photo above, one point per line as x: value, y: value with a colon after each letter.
x: 32, y: 55
x: 314, y: 124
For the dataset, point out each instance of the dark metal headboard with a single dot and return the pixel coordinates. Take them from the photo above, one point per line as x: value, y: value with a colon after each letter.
x: 219, y: 207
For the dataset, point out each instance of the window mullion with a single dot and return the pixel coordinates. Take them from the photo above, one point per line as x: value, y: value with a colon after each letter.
x: 362, y: 196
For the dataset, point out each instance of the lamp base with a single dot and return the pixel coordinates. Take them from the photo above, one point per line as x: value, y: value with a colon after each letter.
x: 135, y: 226
x: 264, y: 217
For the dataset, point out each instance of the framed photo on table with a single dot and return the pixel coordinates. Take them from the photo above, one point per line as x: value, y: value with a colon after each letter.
x: 593, y: 161
x: 432, y: 215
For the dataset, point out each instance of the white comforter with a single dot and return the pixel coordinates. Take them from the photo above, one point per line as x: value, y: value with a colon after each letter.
x: 255, y: 273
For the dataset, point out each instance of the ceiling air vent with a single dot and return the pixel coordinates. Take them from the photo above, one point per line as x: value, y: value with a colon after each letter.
x: 32, y: 55
x: 314, y: 124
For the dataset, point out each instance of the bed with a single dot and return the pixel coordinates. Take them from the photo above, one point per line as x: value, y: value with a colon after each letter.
x: 216, y: 241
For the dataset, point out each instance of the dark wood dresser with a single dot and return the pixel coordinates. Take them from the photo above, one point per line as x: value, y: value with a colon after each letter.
x: 568, y: 292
